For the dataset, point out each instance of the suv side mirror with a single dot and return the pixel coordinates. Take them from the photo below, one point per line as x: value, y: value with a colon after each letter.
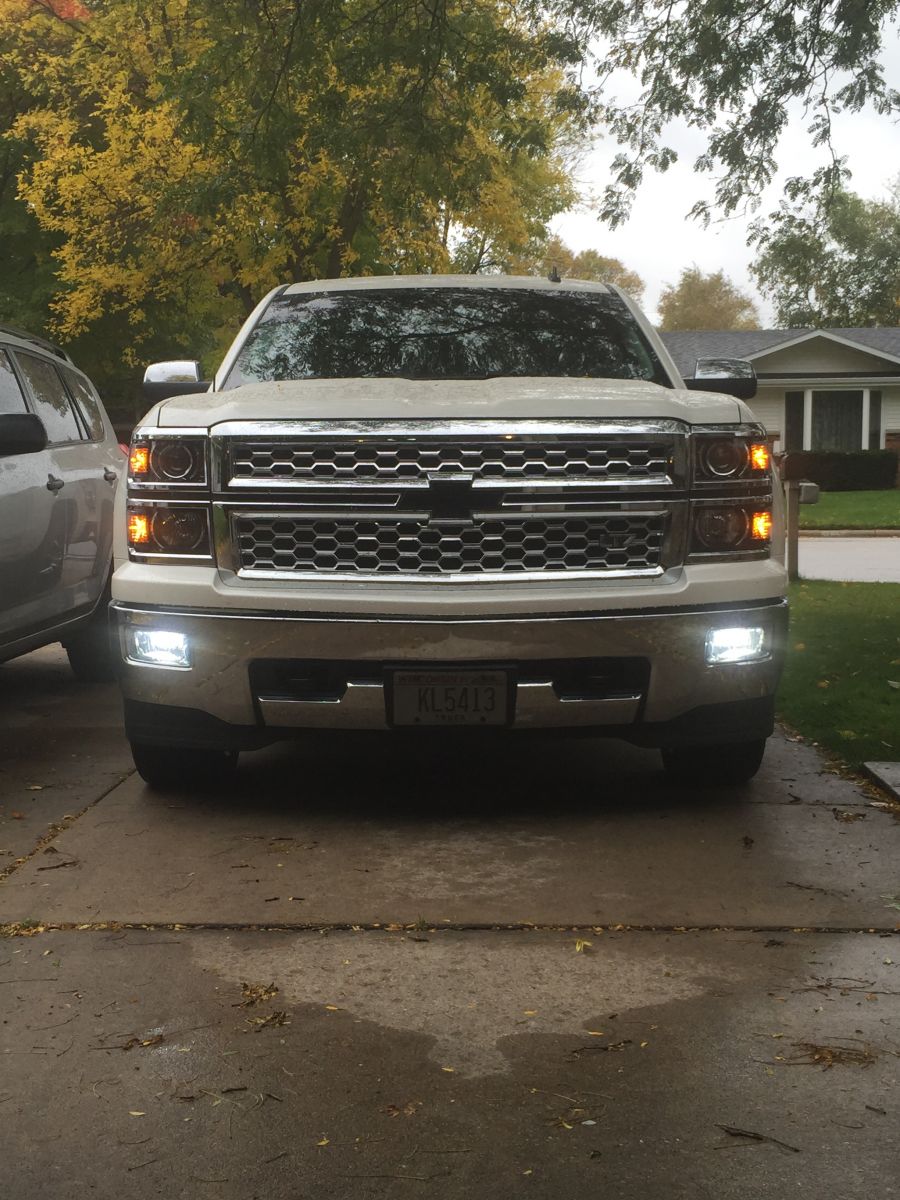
x: 733, y: 376
x: 180, y: 377
x: 21, y: 433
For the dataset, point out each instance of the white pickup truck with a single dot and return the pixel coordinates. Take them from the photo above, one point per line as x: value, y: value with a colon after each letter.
x: 478, y: 504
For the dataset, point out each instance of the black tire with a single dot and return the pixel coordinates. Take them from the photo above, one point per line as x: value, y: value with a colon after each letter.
x: 93, y: 652
x: 725, y: 765
x: 180, y: 766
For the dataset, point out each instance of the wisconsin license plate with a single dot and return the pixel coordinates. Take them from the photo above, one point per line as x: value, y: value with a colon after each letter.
x: 450, y: 697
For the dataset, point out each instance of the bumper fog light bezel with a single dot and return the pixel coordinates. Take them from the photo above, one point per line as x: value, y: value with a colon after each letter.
x: 172, y: 652
x: 737, y: 645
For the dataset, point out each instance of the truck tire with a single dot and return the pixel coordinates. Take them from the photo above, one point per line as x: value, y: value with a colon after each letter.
x: 180, y: 766
x: 724, y: 765
x: 93, y: 651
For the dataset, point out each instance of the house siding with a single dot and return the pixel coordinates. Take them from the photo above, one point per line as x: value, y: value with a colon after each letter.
x: 890, y: 409
x: 818, y: 357
x: 768, y: 408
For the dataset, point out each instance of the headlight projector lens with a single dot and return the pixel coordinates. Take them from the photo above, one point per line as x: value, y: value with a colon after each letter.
x: 725, y: 458
x: 179, y: 530
x: 174, y: 460
x: 721, y: 528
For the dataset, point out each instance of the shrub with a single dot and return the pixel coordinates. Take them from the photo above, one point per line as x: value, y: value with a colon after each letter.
x: 843, y: 471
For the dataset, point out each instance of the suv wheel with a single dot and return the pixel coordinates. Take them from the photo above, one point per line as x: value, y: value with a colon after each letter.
x: 181, y: 766
x: 93, y: 651
x: 708, y: 766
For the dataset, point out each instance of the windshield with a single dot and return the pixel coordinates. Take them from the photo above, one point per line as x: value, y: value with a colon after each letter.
x: 446, y: 333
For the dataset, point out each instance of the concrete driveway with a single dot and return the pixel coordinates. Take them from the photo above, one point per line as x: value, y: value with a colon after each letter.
x: 863, y: 559
x: 365, y: 971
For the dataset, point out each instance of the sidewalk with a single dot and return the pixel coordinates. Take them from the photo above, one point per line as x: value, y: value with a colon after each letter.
x: 858, y: 558
x: 855, y: 533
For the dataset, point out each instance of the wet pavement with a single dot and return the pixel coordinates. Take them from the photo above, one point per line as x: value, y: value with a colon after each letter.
x: 369, y: 970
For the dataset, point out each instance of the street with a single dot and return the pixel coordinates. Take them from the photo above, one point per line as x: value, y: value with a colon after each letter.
x: 372, y: 968
x: 866, y: 559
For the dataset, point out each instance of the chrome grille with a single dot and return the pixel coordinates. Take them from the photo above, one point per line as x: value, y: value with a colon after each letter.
x: 613, y: 543
x: 398, y: 459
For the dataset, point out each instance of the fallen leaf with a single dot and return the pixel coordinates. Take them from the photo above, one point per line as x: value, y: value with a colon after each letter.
x: 323, y: 1142
x: 17, y: 816
x: 136, y: 1114
x: 449, y: 1070
x: 331, y: 1008
x: 256, y: 993
x: 581, y: 945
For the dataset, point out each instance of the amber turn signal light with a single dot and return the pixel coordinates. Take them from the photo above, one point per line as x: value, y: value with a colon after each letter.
x: 760, y: 457
x: 761, y: 526
x: 139, y: 460
x: 138, y: 529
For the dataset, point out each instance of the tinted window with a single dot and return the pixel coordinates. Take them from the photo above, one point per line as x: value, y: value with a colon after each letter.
x: 11, y: 398
x: 88, y: 404
x: 51, y: 403
x: 446, y: 333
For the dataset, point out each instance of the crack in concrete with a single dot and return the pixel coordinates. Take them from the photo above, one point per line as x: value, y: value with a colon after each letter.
x: 30, y: 930
x: 59, y: 827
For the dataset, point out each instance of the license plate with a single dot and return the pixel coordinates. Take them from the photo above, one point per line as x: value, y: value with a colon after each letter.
x: 450, y: 697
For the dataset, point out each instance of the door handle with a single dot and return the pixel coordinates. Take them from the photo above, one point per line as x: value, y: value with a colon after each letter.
x: 109, y: 476
x: 54, y: 484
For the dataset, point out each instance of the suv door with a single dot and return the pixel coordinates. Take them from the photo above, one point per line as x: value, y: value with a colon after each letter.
x: 32, y: 530
x: 76, y: 478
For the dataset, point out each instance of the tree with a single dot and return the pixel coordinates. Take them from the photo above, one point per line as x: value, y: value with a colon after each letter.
x: 553, y: 253
x: 835, y: 263
x: 183, y: 156
x: 701, y: 301
x: 736, y: 71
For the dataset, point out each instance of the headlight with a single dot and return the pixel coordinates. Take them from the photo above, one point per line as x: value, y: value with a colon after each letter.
x: 730, y: 528
x: 162, y: 460
x: 724, y: 457
x: 160, y: 529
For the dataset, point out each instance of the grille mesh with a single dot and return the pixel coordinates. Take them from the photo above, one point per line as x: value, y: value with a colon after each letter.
x: 389, y: 460
x: 628, y: 542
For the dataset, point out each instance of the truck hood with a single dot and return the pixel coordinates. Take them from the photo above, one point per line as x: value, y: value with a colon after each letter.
x: 450, y: 399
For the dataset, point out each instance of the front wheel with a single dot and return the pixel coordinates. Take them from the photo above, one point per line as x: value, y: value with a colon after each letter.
x: 179, y: 766
x: 708, y: 766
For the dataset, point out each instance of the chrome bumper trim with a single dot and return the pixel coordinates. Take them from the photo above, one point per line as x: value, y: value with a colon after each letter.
x: 674, y: 644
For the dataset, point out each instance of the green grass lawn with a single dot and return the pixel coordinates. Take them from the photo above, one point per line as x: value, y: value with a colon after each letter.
x: 853, y: 510
x: 843, y: 656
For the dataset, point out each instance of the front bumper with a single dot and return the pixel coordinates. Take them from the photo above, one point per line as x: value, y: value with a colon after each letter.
x: 666, y: 695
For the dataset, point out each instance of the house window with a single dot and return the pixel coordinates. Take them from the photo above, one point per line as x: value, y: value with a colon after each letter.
x: 837, y: 420
x: 793, y: 421
x: 874, y: 420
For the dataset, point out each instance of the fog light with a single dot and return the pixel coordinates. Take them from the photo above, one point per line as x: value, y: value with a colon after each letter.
x: 159, y: 648
x: 746, y: 643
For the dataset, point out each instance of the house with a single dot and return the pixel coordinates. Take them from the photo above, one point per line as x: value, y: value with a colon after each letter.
x: 819, y: 389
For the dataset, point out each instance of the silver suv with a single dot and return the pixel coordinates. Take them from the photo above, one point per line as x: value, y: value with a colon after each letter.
x: 60, y: 464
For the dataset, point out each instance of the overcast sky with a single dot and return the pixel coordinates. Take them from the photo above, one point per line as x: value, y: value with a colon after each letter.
x: 659, y: 240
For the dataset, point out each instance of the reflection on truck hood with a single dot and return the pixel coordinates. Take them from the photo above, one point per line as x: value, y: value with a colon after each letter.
x: 412, y: 399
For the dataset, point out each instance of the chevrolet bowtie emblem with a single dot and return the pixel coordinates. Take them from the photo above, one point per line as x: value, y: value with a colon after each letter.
x: 450, y: 498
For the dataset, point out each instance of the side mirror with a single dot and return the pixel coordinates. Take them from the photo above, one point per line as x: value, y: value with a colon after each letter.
x: 21, y: 433
x: 733, y: 376
x: 178, y: 378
